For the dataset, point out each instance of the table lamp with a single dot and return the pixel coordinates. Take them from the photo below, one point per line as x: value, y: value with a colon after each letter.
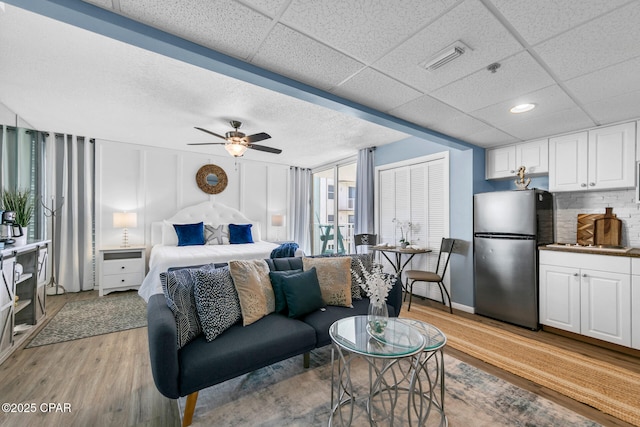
x: 125, y: 220
x: 277, y: 220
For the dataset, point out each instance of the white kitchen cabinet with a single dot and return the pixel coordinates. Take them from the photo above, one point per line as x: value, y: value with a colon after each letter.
x: 504, y: 162
x: 602, y: 158
x: 587, y: 294
x: 635, y: 303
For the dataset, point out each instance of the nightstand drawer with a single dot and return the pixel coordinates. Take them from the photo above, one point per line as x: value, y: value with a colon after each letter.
x: 119, y: 280
x: 122, y: 266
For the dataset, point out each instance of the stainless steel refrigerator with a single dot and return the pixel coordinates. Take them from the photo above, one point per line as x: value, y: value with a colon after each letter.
x: 508, y: 228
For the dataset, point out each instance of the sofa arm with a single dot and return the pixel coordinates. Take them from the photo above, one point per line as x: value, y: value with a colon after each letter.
x: 163, y: 348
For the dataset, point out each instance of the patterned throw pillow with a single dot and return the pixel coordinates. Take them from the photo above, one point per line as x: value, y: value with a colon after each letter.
x: 334, y: 276
x: 251, y: 279
x: 216, y: 300
x: 178, y: 290
x: 216, y: 235
x: 356, y: 271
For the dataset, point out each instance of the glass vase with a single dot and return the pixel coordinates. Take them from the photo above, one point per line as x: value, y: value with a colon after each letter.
x: 377, y: 317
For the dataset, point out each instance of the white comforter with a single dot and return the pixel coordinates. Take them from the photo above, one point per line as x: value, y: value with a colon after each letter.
x: 163, y: 257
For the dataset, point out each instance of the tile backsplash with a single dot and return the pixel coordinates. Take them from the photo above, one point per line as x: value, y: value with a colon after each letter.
x: 569, y: 205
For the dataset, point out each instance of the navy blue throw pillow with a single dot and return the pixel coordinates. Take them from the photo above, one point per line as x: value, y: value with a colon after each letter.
x: 240, y: 233
x: 190, y: 234
x: 302, y: 291
x: 278, y: 287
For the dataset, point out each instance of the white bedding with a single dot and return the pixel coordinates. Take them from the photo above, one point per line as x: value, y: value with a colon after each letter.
x: 163, y: 257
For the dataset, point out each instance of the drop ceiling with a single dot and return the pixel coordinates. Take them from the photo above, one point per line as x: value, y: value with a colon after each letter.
x: 578, y: 61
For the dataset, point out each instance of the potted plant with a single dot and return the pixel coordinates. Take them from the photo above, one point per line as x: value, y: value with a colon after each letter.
x: 20, y: 202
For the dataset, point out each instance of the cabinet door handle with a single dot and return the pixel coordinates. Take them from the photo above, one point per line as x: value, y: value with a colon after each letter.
x: 592, y: 184
x: 575, y: 274
x: 583, y: 185
x: 584, y: 275
x: 122, y: 280
x: 123, y: 267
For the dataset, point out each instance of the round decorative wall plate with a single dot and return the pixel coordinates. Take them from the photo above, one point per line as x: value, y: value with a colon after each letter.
x: 211, y: 179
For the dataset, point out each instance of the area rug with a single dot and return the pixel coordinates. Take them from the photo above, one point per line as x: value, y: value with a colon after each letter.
x: 286, y: 394
x: 605, y: 386
x: 87, y: 318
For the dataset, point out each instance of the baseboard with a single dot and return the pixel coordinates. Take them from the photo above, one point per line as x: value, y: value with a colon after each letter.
x: 465, y: 308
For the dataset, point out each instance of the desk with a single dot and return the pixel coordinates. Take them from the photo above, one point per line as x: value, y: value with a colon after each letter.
x: 397, y: 264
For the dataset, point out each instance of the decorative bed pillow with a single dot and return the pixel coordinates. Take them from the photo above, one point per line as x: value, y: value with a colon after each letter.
x: 302, y: 292
x: 334, y: 276
x: 251, y: 279
x: 278, y: 291
x: 216, y: 301
x: 216, y: 235
x: 240, y: 233
x: 357, y: 271
x: 190, y: 234
x: 178, y: 290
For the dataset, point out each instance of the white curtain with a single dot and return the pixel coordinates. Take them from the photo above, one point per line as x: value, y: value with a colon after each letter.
x: 72, y: 193
x: 365, y: 192
x: 300, y: 207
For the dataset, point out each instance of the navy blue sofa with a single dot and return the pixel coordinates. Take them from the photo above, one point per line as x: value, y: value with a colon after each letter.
x: 240, y: 349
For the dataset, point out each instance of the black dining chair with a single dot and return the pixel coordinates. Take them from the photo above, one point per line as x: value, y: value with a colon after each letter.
x: 367, y: 240
x: 446, y: 248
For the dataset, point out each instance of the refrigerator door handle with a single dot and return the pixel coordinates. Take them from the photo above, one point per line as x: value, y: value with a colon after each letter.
x: 504, y: 236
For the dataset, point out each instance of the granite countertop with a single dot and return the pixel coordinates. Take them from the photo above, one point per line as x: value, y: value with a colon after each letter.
x: 632, y: 253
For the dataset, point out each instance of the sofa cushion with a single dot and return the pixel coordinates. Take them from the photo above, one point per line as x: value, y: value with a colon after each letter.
x: 240, y: 349
x: 302, y: 293
x: 334, y: 276
x: 177, y: 287
x: 190, y: 234
x: 278, y: 290
x: 216, y: 300
x: 251, y: 279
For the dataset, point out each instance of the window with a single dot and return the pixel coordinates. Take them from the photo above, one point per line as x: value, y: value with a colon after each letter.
x: 352, y: 219
x: 330, y: 192
x: 330, y: 218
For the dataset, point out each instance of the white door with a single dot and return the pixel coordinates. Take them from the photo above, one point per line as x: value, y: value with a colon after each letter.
x: 568, y: 162
x: 606, y: 306
x: 560, y: 297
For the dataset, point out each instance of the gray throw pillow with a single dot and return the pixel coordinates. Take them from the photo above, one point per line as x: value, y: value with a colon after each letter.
x: 216, y: 301
x: 178, y: 290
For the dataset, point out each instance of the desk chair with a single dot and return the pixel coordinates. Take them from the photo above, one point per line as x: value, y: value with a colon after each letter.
x: 446, y: 248
x: 368, y: 240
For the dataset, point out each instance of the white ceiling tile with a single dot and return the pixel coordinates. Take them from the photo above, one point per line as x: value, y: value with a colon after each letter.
x: 547, y: 100
x: 469, y: 22
x: 615, y: 109
x: 363, y: 29
x: 215, y: 26
x: 540, y: 19
x: 425, y: 111
x: 600, y: 43
x: 518, y: 74
x: 270, y: 7
x: 607, y: 82
x: 549, y: 124
x: 295, y: 55
x: 376, y: 90
x: 490, y: 137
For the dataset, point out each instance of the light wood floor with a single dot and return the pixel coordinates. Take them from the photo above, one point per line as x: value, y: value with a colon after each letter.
x: 107, y: 379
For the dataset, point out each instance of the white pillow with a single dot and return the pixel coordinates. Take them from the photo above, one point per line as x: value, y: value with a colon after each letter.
x: 169, y: 236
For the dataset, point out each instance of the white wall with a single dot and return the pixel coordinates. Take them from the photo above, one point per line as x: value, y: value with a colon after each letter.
x: 156, y: 183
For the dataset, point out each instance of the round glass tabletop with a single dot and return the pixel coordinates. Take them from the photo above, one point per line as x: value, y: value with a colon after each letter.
x: 433, y: 337
x: 399, y: 338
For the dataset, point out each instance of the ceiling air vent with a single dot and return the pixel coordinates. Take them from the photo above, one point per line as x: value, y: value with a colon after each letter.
x: 445, y: 56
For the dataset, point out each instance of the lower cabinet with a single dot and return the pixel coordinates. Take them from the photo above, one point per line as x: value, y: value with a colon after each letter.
x: 635, y: 303
x: 587, y: 294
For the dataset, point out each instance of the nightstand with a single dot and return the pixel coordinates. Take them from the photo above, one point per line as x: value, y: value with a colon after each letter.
x: 121, y: 269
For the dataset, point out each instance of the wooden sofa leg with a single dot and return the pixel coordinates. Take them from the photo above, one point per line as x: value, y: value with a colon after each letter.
x: 189, y: 408
x: 306, y: 360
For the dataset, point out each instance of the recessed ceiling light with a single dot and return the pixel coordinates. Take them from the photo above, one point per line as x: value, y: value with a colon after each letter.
x: 522, y: 108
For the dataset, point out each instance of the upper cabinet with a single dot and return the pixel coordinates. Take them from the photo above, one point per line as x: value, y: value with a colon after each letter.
x: 504, y: 162
x: 602, y: 158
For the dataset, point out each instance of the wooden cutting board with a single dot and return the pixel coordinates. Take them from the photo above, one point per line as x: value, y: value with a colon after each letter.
x: 586, y: 228
x: 608, y: 230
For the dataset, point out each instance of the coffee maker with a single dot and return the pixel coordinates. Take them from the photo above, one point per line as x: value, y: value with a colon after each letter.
x: 8, y: 228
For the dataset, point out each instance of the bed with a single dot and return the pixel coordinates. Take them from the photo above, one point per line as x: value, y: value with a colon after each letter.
x: 166, y: 254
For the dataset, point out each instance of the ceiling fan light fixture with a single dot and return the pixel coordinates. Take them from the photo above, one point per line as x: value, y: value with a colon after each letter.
x: 522, y: 108
x: 235, y: 149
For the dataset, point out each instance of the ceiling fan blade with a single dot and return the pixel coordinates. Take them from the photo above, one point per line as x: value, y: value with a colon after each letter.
x: 257, y: 137
x: 265, y: 149
x: 207, y: 143
x: 210, y: 133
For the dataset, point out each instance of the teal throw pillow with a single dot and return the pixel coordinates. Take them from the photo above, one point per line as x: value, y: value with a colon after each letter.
x: 302, y: 292
x: 278, y: 288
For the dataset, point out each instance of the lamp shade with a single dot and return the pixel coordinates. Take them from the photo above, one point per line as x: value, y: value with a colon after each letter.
x: 125, y: 219
x: 277, y: 220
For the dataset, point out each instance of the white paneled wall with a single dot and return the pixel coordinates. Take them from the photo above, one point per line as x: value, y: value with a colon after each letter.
x: 569, y: 205
x: 156, y: 183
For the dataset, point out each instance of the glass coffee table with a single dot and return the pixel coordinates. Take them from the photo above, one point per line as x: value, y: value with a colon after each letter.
x: 378, y: 390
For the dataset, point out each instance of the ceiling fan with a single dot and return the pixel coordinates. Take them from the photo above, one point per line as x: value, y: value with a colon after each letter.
x: 237, y: 142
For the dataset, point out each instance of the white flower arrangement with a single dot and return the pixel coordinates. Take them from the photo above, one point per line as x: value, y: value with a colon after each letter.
x: 376, y: 283
x: 402, y: 225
